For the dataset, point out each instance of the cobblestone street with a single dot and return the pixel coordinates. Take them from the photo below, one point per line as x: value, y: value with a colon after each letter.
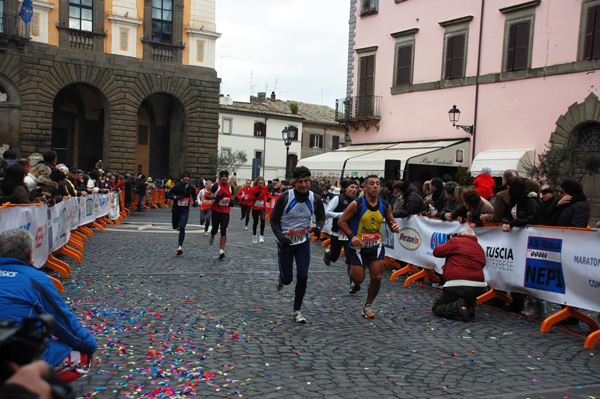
x: 192, y: 325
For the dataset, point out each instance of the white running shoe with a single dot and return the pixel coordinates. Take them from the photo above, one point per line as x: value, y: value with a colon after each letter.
x: 221, y: 254
x: 261, y: 239
x: 254, y: 240
x: 206, y: 234
x: 246, y: 227
x: 298, y: 318
x: 179, y: 250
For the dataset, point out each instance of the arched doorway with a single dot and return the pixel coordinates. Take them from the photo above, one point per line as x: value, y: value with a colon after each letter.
x: 160, y: 149
x: 78, y: 124
x: 10, y: 114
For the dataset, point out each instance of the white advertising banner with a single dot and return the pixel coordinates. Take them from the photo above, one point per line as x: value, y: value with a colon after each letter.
x: 51, y: 226
x: 561, y: 266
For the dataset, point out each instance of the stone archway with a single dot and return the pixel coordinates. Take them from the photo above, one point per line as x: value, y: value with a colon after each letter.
x: 569, y: 128
x: 10, y: 113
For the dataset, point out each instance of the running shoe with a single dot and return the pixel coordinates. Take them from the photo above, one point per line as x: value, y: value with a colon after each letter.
x: 178, y: 228
x: 206, y: 234
x: 221, y: 254
x: 261, y: 239
x: 462, y: 309
x: 179, y: 250
x: 326, y: 258
x: 367, y: 312
x: 278, y: 284
x: 246, y: 228
x: 354, y: 288
x: 211, y: 239
x: 297, y: 317
x: 254, y: 240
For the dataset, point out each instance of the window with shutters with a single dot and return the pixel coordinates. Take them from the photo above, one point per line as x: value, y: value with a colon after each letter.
x: 366, y: 85
x: 226, y: 125
x: 518, y: 36
x: 260, y: 129
x: 316, y: 141
x: 404, y: 65
x: 335, y: 142
x: 456, y: 36
x: 590, y: 33
x: 517, y: 54
x: 455, y: 55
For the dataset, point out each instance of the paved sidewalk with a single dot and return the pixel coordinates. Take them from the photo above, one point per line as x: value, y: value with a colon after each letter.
x: 192, y: 325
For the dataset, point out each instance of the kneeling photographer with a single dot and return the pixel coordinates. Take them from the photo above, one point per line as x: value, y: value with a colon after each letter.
x: 463, y: 276
x: 28, y: 292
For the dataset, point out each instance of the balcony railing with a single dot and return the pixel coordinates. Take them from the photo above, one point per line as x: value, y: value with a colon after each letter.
x: 13, y: 28
x: 163, y: 52
x: 81, y: 40
x: 358, y: 108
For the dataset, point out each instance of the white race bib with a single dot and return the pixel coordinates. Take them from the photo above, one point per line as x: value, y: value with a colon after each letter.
x: 342, y: 236
x: 224, y: 201
x: 370, y: 240
x: 297, y: 236
x: 183, y: 202
x: 259, y: 204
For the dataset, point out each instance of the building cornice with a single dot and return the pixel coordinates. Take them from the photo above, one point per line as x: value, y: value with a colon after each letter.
x: 519, y: 7
x: 407, y: 32
x: 456, y: 21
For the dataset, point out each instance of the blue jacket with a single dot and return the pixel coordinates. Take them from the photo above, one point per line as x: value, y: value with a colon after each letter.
x: 27, y: 292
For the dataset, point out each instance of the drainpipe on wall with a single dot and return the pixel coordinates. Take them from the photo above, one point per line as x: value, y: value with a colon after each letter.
x: 477, y: 84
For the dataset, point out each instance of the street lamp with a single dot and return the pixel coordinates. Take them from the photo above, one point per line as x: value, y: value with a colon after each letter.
x: 454, y: 115
x: 287, y: 135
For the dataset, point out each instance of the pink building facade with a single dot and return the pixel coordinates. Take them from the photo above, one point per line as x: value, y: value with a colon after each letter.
x: 524, y: 74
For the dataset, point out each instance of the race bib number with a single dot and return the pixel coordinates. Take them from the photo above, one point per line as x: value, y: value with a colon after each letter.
x: 259, y: 204
x: 224, y: 201
x: 342, y: 236
x: 208, y: 201
x: 370, y: 240
x: 296, y: 236
x: 183, y: 202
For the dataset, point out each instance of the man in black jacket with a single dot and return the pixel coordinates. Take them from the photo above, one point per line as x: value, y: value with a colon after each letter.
x: 140, y: 187
x: 413, y: 202
x: 182, y: 194
x: 572, y: 209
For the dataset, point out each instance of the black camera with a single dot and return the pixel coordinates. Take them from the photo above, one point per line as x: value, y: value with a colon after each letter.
x: 452, y: 235
x: 25, y: 343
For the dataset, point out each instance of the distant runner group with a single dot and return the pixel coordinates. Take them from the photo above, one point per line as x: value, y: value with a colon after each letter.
x: 356, y: 226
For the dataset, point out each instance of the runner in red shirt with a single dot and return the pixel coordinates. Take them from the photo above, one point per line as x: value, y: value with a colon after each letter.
x: 223, y: 192
x: 246, y: 201
x: 259, y: 195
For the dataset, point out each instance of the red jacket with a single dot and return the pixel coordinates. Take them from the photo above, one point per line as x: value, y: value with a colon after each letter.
x: 465, y: 259
x: 244, y: 196
x: 484, y: 184
x: 259, y: 197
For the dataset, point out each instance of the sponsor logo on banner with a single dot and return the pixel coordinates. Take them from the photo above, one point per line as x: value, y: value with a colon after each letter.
x: 438, y: 238
x: 500, y: 258
x: 543, y: 267
x: 102, y: 201
x: 39, y: 237
x: 25, y: 226
x: 409, y: 238
x: 63, y: 223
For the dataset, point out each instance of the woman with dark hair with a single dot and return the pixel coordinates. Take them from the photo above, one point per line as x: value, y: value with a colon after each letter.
x: 476, y: 205
x: 438, y: 195
x: 12, y: 187
x: 525, y: 209
x: 572, y: 209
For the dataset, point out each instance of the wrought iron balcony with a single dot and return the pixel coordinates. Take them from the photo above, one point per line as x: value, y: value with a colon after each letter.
x: 358, y: 110
x: 12, y: 29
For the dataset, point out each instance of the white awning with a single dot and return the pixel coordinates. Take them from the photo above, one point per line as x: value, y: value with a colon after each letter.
x: 501, y: 160
x: 366, y: 159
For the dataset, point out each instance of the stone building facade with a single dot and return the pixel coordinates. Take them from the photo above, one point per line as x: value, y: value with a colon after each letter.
x: 152, y: 109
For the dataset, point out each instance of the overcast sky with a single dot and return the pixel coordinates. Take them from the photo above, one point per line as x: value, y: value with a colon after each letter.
x: 297, y: 48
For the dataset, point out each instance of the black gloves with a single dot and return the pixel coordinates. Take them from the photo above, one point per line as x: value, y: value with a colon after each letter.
x: 195, y: 204
x: 284, y: 242
x: 220, y: 196
x: 256, y: 194
x: 316, y: 232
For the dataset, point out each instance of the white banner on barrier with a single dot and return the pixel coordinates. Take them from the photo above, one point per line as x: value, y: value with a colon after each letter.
x: 561, y: 266
x: 51, y: 226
